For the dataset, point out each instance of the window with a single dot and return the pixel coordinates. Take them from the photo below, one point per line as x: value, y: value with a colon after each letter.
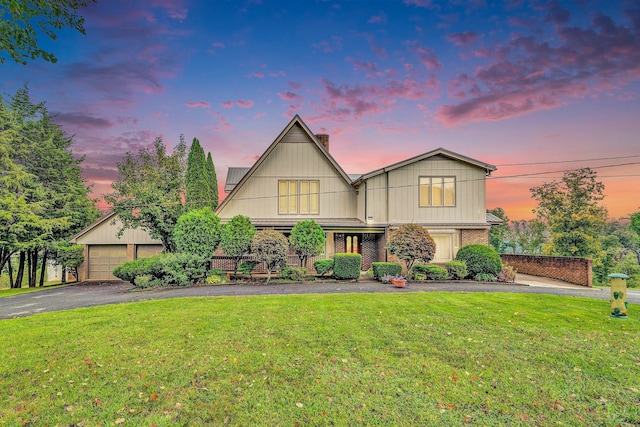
x: 437, y: 191
x: 299, y: 197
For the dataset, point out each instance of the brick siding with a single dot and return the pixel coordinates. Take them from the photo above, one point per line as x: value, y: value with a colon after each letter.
x: 474, y: 237
x: 369, y: 250
x: 570, y: 269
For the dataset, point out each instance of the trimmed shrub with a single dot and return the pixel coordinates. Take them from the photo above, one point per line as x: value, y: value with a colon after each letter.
x: 385, y: 268
x: 293, y: 273
x: 480, y: 259
x: 457, y: 269
x: 198, y: 232
x: 214, y: 279
x: 183, y: 269
x: 431, y: 272
x: 323, y: 266
x: 485, y: 277
x: 410, y: 243
x: 235, y: 239
x: 347, y: 266
x: 419, y: 276
x: 307, y: 239
x: 143, y: 266
x: 270, y: 247
x: 247, y: 267
x: 507, y: 275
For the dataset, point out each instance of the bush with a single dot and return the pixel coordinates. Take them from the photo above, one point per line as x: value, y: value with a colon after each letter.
x: 270, y: 247
x: 507, y: 275
x: 323, y: 266
x: 198, y: 232
x: 307, y: 239
x: 431, y: 272
x: 457, y: 269
x: 215, y: 279
x: 480, y: 259
x: 293, y: 273
x: 143, y: 266
x: 179, y: 269
x: 485, y: 277
x: 246, y: 267
x: 410, y: 243
x: 235, y: 238
x: 385, y: 268
x: 347, y: 266
x: 419, y: 276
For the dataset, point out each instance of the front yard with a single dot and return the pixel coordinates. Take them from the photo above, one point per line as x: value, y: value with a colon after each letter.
x: 370, y: 359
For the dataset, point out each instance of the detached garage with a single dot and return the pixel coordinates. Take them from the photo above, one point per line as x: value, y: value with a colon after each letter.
x: 104, y: 251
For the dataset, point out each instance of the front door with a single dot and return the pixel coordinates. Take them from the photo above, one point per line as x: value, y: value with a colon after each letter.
x: 352, y: 243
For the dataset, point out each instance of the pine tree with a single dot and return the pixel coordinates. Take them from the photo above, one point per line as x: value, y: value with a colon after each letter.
x: 196, y: 179
x: 213, y: 182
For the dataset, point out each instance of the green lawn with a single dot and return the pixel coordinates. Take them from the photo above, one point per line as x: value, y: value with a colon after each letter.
x: 440, y: 359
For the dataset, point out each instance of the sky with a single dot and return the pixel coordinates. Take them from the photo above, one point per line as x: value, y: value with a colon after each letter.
x: 533, y: 87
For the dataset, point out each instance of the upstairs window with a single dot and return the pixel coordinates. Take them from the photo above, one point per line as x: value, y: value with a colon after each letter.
x: 299, y: 197
x: 437, y: 191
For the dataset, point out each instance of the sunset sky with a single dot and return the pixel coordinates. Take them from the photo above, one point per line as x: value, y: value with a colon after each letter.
x: 533, y: 87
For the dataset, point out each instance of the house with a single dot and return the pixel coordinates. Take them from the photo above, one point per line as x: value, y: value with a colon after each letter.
x: 296, y: 178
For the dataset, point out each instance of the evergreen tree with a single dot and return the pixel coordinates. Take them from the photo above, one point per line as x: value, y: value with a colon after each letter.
x: 213, y: 182
x: 196, y: 179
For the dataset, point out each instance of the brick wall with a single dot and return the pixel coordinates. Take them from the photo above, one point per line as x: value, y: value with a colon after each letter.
x: 570, y: 269
x: 369, y: 250
x: 473, y: 237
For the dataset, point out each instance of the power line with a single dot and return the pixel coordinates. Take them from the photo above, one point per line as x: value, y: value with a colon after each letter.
x: 570, y: 161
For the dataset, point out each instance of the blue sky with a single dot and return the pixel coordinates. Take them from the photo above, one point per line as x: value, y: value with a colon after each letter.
x: 506, y: 82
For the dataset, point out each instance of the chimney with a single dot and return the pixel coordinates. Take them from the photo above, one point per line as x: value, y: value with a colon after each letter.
x: 324, y: 140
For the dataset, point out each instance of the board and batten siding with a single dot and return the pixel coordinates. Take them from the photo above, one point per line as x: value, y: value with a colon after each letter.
x: 401, y: 187
x: 106, y: 234
x: 295, y: 157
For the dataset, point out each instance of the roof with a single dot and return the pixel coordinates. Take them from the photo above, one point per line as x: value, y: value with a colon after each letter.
x: 234, y: 176
x: 438, y: 151
x: 296, y: 121
x: 493, y: 220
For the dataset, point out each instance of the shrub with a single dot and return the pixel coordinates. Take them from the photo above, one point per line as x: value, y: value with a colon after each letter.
x: 347, y: 266
x: 182, y: 269
x: 270, y: 247
x: 214, y: 279
x: 410, y: 243
x: 480, y: 259
x: 235, y: 239
x: 307, y: 239
x: 507, y: 275
x: 293, y: 273
x: 385, y: 268
x: 485, y: 277
x: 431, y: 272
x: 420, y: 276
x: 198, y: 232
x: 457, y: 269
x: 247, y: 267
x: 323, y: 266
x: 142, y: 266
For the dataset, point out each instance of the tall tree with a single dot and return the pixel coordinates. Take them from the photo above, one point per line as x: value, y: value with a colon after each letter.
x: 571, y: 208
x: 20, y: 21
x: 148, y: 192
x: 528, y: 237
x: 43, y: 189
x: 213, y: 182
x: 197, y: 178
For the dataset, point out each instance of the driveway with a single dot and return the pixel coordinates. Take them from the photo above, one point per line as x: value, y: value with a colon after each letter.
x: 90, y: 294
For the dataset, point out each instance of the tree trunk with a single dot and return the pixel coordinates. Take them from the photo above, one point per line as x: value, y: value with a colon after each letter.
x: 20, y: 273
x: 43, y: 268
x: 32, y: 266
x: 10, y: 268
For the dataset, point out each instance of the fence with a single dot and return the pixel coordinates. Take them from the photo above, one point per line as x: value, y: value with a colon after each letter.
x: 570, y: 269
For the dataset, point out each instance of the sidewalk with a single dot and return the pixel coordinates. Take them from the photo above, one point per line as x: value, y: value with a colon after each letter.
x: 546, y: 282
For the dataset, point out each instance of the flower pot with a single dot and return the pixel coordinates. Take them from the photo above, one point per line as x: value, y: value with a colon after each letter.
x: 399, y: 283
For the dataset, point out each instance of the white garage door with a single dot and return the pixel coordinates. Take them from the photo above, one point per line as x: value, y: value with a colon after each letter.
x: 103, y: 259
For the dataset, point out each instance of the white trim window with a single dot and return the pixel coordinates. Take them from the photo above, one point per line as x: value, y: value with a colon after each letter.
x: 437, y: 191
x: 299, y: 197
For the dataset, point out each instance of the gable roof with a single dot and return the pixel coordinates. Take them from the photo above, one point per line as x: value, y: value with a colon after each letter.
x: 438, y: 151
x: 296, y: 121
x: 234, y: 175
x: 107, y: 216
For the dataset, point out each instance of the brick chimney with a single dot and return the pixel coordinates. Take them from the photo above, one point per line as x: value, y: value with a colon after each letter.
x: 324, y: 140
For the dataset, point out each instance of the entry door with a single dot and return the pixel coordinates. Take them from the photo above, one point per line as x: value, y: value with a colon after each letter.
x: 352, y: 243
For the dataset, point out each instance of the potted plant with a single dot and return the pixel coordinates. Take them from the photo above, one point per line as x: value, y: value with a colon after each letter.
x: 399, y: 281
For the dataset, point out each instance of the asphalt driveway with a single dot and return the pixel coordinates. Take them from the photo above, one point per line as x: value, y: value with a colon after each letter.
x: 90, y: 294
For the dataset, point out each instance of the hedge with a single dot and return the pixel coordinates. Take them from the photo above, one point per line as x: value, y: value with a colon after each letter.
x: 323, y: 266
x: 457, y: 269
x: 381, y: 269
x: 347, y: 266
x: 431, y: 272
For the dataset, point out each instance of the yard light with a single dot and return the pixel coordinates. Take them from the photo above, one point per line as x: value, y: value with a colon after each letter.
x: 618, y: 295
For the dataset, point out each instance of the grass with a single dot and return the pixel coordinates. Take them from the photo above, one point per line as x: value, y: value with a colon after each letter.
x: 7, y: 292
x: 366, y: 359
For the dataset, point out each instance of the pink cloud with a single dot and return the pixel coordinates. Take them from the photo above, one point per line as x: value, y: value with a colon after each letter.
x: 244, y: 104
x: 81, y: 120
x: 363, y: 66
x: 258, y: 75
x: 464, y: 38
x: 289, y: 96
x: 226, y: 104
x: 425, y: 55
x: 294, y: 85
x: 526, y: 74
x: 198, y: 104
x: 222, y: 125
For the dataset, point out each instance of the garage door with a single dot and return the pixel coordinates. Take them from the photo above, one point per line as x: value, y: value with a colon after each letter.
x: 443, y: 247
x: 145, y: 251
x: 103, y: 259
